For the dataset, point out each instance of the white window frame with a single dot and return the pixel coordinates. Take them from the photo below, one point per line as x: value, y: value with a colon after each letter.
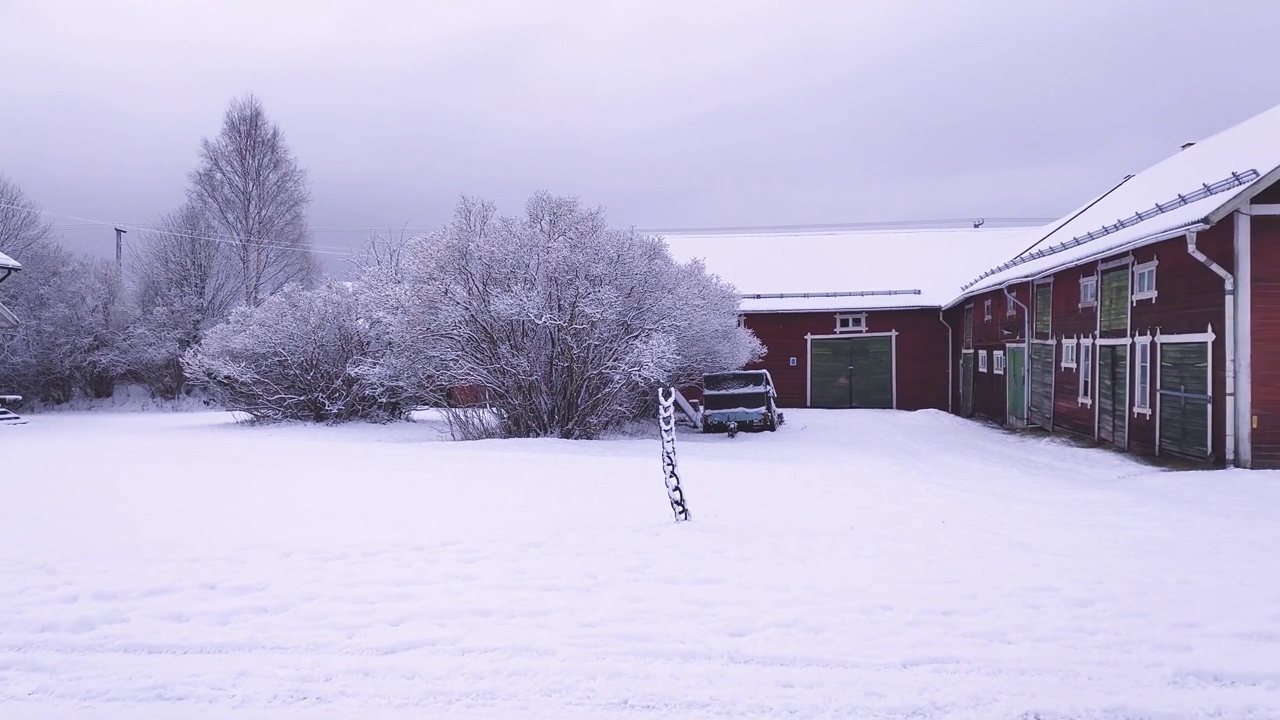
x: 1139, y: 271
x: 1090, y: 281
x: 857, y: 322
x: 1011, y: 304
x: 1073, y: 345
x: 1085, y: 370
x: 997, y: 362
x: 986, y: 310
x: 742, y: 321
x: 1142, y: 400
x: 982, y: 361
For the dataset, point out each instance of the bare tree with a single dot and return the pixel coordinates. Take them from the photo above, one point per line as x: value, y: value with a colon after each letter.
x: 22, y: 228
x: 185, y: 282
x: 254, y: 195
x: 182, y: 262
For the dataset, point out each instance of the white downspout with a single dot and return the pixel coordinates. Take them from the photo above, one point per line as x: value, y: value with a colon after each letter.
x: 1026, y: 352
x: 943, y: 320
x: 1229, y: 292
x: 1244, y: 338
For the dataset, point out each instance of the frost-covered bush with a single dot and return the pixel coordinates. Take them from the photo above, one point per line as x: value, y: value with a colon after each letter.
x: 566, y: 325
x: 300, y: 355
x: 72, y: 309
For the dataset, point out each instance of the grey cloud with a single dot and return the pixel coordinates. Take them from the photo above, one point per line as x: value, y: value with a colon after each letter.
x: 669, y: 113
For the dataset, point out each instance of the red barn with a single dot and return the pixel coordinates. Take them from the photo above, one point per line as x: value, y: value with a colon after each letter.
x: 853, y: 319
x: 1153, y: 312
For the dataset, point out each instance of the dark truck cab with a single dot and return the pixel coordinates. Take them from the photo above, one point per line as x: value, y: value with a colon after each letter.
x: 742, y: 400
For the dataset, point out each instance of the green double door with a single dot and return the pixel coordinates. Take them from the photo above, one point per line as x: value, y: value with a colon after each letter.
x: 1185, y: 399
x: 1113, y: 394
x: 854, y: 372
x: 1015, y: 377
x: 1042, y: 359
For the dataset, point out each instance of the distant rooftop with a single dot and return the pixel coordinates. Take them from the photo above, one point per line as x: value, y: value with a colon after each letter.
x: 8, y: 263
x: 864, y: 270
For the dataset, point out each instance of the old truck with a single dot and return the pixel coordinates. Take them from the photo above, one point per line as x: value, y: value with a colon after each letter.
x: 741, y: 400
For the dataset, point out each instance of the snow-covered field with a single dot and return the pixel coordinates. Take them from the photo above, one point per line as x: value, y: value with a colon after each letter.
x: 852, y: 565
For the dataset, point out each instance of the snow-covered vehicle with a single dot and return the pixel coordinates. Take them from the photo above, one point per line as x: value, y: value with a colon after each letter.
x: 743, y: 400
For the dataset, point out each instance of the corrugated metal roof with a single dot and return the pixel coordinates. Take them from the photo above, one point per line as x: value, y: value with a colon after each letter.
x: 820, y: 271
x: 1194, y: 185
x: 9, y: 263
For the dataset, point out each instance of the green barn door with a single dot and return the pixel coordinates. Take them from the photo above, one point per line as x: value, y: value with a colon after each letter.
x: 1015, y: 378
x: 966, y: 384
x: 855, y: 372
x: 1113, y: 394
x: 872, y: 363
x: 1042, y: 357
x: 1184, y: 399
x: 829, y: 373
x: 1113, y: 301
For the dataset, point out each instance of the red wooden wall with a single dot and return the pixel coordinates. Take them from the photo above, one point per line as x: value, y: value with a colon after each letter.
x: 1190, y: 300
x: 989, y: 390
x: 1069, y: 320
x: 921, y: 352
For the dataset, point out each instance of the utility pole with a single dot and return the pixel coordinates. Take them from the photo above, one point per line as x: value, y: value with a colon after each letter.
x: 120, y: 247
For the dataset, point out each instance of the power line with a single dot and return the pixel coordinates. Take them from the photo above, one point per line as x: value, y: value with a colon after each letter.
x: 1009, y: 221
x: 226, y: 239
x: 82, y: 223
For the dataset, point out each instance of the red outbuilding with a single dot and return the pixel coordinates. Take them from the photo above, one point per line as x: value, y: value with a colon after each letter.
x: 853, y: 319
x: 1154, y: 312
x: 1148, y: 320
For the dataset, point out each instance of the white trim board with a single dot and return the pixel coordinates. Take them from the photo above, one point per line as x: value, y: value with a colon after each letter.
x: 1206, y: 337
x: 851, y: 335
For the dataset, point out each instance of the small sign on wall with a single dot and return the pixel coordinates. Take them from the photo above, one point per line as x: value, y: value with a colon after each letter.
x: 793, y: 362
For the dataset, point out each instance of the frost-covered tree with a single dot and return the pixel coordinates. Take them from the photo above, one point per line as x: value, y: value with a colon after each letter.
x: 73, y: 310
x: 564, y: 324
x: 184, y: 282
x: 300, y: 355
x: 23, y: 229
x: 252, y: 192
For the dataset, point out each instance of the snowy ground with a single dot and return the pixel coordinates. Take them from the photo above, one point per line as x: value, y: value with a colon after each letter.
x: 852, y: 565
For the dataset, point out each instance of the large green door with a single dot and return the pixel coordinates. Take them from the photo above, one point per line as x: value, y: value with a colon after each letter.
x: 1113, y: 394
x: 872, y: 362
x: 1113, y: 300
x: 855, y: 372
x: 829, y: 373
x: 1042, y: 359
x: 1184, y: 399
x: 1015, y: 378
x: 966, y: 384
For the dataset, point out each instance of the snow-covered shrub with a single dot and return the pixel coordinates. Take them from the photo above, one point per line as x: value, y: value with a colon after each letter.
x: 72, y: 309
x: 300, y: 355
x: 566, y: 324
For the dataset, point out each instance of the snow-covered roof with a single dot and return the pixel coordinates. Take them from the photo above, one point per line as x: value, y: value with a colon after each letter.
x: 850, y: 270
x: 8, y: 263
x: 1194, y: 187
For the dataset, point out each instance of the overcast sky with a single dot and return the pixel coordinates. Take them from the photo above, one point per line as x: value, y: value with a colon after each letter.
x: 669, y: 113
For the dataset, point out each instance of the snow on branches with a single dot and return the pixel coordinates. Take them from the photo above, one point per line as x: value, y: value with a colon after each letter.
x: 299, y: 355
x: 564, y: 325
